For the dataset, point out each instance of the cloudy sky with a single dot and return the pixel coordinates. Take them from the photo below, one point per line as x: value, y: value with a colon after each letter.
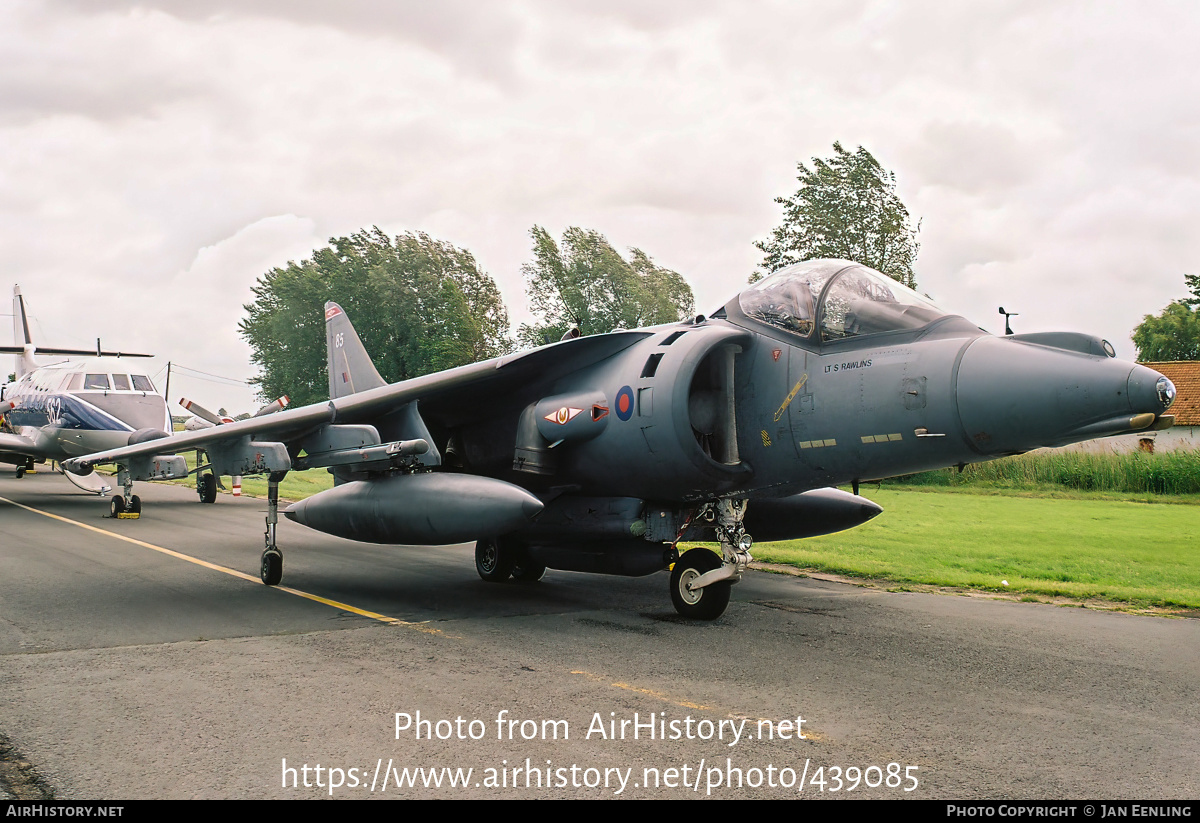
x: 158, y: 157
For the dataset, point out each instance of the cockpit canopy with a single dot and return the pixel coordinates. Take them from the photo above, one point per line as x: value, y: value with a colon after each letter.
x: 829, y: 300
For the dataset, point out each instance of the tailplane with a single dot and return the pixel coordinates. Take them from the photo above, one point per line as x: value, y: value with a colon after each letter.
x: 350, y: 367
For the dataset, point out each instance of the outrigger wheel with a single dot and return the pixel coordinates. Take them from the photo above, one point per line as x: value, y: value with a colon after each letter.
x: 206, y: 487
x: 272, y: 567
x: 707, y: 603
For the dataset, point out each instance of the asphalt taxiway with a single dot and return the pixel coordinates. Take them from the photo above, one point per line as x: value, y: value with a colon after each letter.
x: 144, y: 659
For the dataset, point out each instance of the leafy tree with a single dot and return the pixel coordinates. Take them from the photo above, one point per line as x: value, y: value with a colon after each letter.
x: 846, y: 208
x: 1175, y: 333
x: 1192, y: 281
x: 420, y: 305
x: 586, y: 283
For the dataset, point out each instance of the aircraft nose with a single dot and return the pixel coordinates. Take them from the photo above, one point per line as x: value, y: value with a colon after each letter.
x: 1014, y: 396
x: 1150, y: 390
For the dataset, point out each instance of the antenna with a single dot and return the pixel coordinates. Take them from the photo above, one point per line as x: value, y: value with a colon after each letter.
x: 1008, y: 314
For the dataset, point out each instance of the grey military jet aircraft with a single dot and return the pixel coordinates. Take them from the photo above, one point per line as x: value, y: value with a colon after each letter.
x: 68, y: 409
x: 600, y: 453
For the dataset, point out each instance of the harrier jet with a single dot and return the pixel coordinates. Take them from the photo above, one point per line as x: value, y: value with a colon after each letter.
x: 599, y: 454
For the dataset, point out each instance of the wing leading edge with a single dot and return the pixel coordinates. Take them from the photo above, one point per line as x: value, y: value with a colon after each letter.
x: 489, y: 378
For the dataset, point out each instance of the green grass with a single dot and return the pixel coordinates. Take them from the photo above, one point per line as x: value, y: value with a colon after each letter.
x: 1143, y: 554
x: 1173, y: 473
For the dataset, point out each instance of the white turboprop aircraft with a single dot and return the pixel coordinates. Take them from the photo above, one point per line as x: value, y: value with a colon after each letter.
x: 71, y: 408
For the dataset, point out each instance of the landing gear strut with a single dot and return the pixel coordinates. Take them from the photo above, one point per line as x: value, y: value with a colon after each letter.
x: 700, y: 580
x: 271, y: 569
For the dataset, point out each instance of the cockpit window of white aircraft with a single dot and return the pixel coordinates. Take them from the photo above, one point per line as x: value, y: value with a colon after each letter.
x: 96, y: 381
x: 843, y: 298
x: 76, y: 382
x: 121, y: 382
x: 142, y: 383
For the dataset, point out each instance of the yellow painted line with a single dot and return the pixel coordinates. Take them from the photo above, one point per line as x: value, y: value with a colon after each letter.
x: 809, y: 734
x: 382, y: 618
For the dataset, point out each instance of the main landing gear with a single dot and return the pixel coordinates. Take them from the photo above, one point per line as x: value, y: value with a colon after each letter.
x: 129, y: 506
x: 497, y: 559
x: 701, y: 579
x: 271, y: 569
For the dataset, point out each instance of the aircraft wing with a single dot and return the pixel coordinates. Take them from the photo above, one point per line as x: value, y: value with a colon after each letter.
x: 461, y: 393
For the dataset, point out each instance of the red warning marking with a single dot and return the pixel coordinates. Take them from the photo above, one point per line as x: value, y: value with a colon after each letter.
x: 775, y: 355
x: 332, y: 311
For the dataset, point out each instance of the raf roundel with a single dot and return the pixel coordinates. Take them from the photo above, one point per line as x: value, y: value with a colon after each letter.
x: 625, y: 403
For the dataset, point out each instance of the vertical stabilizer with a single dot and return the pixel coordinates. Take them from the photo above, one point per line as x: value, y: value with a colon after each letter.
x: 350, y: 367
x: 24, y: 361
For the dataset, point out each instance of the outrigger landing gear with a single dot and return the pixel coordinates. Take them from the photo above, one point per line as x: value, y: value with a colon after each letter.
x: 206, y: 488
x: 271, y: 570
x: 700, y: 580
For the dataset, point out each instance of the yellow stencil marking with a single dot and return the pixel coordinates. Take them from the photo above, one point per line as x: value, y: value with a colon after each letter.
x: 382, y: 618
x: 791, y: 396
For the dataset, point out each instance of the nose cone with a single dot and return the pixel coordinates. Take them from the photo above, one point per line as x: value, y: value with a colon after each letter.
x: 1014, y: 396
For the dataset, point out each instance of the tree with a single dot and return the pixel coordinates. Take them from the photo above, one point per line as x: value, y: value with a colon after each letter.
x: 1175, y: 333
x: 420, y: 305
x: 588, y: 284
x: 846, y: 208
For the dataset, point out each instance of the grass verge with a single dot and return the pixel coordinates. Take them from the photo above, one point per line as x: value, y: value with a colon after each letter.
x: 1146, y: 555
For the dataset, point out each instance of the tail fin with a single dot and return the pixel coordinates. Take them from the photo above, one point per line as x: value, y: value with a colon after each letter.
x: 23, y: 362
x: 350, y: 367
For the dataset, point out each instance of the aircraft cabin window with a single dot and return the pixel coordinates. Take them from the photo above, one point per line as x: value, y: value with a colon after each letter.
x: 76, y: 382
x: 96, y: 381
x: 142, y: 383
x: 121, y: 382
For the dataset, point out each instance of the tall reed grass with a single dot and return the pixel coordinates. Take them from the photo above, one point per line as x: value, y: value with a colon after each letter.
x: 1176, y: 472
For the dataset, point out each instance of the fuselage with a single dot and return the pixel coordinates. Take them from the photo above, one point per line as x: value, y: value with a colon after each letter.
x: 74, y: 408
x: 821, y: 376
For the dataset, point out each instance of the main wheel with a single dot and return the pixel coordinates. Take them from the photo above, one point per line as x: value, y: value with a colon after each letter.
x: 271, y: 570
x: 493, y: 561
x: 116, y: 505
x: 20, y: 472
x: 206, y: 487
x: 528, y: 572
x: 702, y: 604
x: 135, y: 505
